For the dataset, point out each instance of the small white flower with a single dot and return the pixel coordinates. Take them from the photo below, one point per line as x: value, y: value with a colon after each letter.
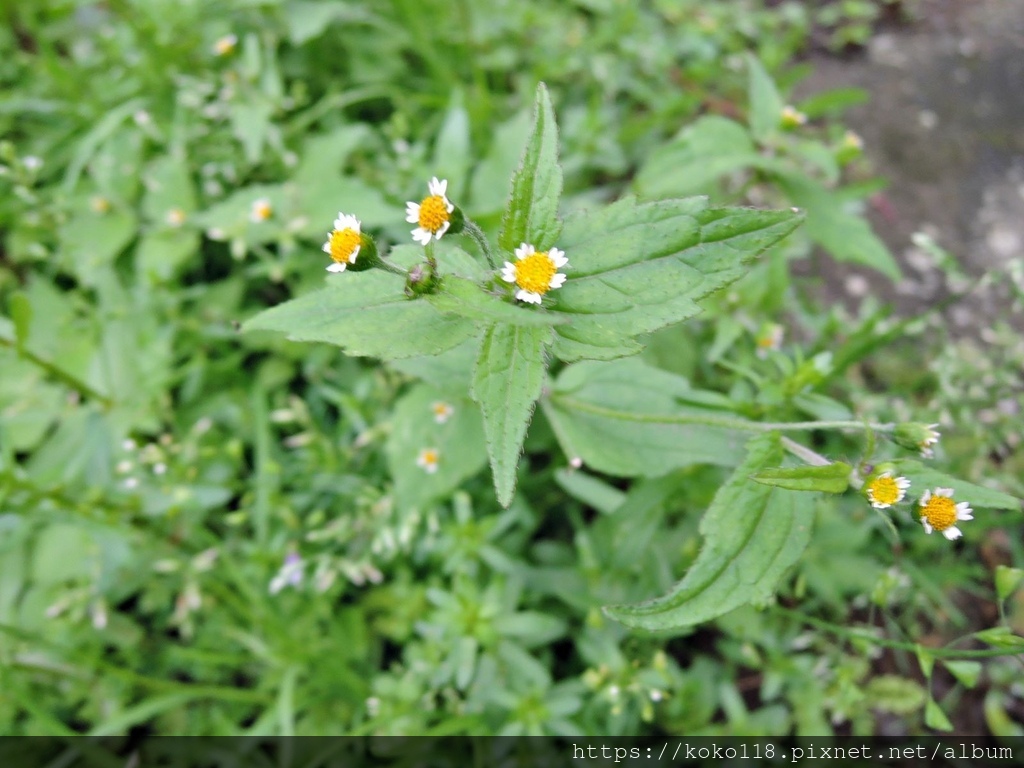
x: 442, y: 411
x: 225, y: 45
x: 428, y: 460
x: 886, y: 490
x: 159, y: 468
x: 32, y: 163
x: 939, y: 512
x: 432, y: 213
x: 930, y: 439
x: 343, y: 243
x: 176, y: 217
x: 261, y: 210
x: 534, y: 273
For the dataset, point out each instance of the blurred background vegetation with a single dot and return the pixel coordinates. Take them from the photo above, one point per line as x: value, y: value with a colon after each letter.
x: 200, y: 532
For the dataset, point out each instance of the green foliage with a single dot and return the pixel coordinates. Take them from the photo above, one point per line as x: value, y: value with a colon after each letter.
x: 752, y: 535
x: 212, y: 532
x: 831, y: 478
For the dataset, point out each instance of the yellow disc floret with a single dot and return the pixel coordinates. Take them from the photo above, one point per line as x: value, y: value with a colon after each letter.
x: 534, y: 273
x: 884, y: 490
x: 433, y: 213
x: 939, y: 511
x: 343, y: 242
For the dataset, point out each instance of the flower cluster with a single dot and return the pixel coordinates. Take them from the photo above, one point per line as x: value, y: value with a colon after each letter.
x: 936, y: 509
x: 532, y: 275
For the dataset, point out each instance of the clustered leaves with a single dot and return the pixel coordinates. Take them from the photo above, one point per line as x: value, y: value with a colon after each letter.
x: 633, y: 267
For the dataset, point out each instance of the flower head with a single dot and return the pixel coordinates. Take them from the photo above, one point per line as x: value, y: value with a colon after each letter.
x: 428, y: 460
x: 99, y: 204
x: 852, y: 141
x: 884, y: 490
x: 792, y: 117
x: 769, y: 339
x: 225, y: 45
x: 261, y: 210
x: 938, y: 511
x: 433, y: 214
x: 534, y: 273
x: 343, y: 243
x: 442, y: 411
x: 175, y: 217
x: 917, y: 437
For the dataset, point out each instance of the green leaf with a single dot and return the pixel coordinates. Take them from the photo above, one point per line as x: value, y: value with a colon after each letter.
x: 922, y: 477
x: 765, y: 101
x: 452, y: 151
x: 531, y: 215
x: 20, y: 309
x: 162, y: 253
x: 367, y: 314
x: 507, y: 381
x: 91, y: 241
x: 892, y: 693
x: 1007, y: 580
x: 459, y: 442
x: 636, y: 268
x: 491, y: 174
x: 966, y: 672
x: 935, y: 718
x: 925, y: 659
x: 702, y: 152
x: 846, y: 236
x: 753, y: 533
x: 627, y: 419
x: 467, y: 299
x: 833, y: 478
x: 168, y: 187
x: 1000, y: 637
x: 589, y: 490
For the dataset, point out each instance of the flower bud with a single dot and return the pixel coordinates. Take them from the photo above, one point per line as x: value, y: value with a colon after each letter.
x: 917, y: 437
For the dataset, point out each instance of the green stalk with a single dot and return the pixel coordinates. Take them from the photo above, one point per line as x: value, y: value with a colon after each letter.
x: 715, y: 421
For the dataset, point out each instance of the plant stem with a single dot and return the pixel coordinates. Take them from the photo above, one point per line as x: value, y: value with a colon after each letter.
x: 805, y: 453
x: 853, y: 634
x: 471, y: 229
x: 710, y: 420
x: 58, y: 373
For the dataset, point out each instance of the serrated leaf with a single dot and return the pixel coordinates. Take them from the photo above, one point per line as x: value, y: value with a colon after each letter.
x: 765, y: 101
x: 531, y: 215
x: 634, y: 268
x: 846, y: 236
x: 464, y: 297
x: 626, y: 419
x: 833, y: 478
x: 366, y: 313
x: 752, y: 532
x: 1000, y: 637
x: 935, y: 718
x: 507, y: 381
x: 966, y: 672
x: 923, y: 477
x: 459, y: 442
x: 1007, y: 580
